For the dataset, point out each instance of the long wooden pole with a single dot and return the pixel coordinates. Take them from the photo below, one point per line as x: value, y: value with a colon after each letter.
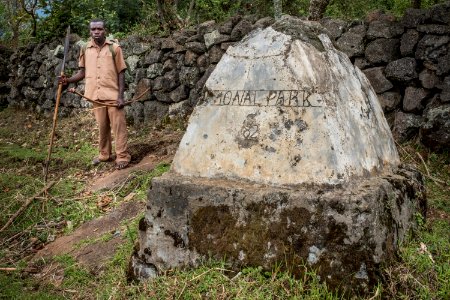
x: 58, y: 99
x: 52, y: 135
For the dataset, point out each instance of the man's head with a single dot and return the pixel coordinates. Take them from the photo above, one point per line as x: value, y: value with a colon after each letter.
x: 97, y: 31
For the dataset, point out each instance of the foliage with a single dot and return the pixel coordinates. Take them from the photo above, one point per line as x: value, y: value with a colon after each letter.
x: 148, y: 17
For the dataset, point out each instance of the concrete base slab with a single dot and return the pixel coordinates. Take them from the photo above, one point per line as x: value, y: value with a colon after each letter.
x: 344, y: 232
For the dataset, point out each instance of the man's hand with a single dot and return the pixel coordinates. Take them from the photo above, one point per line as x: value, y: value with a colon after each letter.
x: 63, y: 79
x: 120, y: 102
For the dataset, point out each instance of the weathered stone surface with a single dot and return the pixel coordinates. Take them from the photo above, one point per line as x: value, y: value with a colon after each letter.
x: 168, y: 44
x: 154, y: 56
x: 389, y: 100
x: 263, y: 23
x: 179, y: 94
x: 406, y: 126
x: 382, y: 50
x: 443, y: 64
x: 435, y: 132
x: 154, y: 70
x: 352, y: 41
x: 274, y: 90
x: 347, y: 230
x: 412, y: 101
x: 445, y: 93
x: 414, y: 17
x: 431, y: 47
x: 143, y: 85
x: 154, y: 111
x: 408, y: 42
x: 361, y: 63
x: 206, y: 27
x: 403, y: 69
x: 214, y: 38
x: 434, y: 29
x: 384, y: 29
x: 428, y: 79
x: 241, y: 29
x: 335, y: 27
x: 376, y: 77
x: 196, y: 47
x: 189, y: 75
x: 215, y: 54
x: 440, y: 13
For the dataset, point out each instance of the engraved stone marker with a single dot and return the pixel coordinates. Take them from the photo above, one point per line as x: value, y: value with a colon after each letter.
x: 288, y: 159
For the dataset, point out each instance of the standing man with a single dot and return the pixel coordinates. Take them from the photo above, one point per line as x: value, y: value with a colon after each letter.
x: 103, y: 66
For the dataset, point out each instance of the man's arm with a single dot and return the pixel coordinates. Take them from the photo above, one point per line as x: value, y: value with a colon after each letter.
x: 120, y: 98
x: 75, y: 78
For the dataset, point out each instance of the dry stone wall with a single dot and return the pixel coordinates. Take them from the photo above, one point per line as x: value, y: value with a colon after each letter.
x: 407, y: 61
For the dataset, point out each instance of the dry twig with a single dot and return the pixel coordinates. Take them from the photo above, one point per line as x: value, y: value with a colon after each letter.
x: 26, y: 204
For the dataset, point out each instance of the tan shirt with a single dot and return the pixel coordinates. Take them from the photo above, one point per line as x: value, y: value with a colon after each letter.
x: 101, y: 71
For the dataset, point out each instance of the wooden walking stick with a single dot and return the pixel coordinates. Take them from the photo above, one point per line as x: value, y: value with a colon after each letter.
x: 58, y: 98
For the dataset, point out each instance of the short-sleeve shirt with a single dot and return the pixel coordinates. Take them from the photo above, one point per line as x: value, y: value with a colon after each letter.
x: 101, y: 70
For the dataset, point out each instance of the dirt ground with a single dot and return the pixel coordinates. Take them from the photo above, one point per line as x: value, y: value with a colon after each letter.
x: 149, y: 145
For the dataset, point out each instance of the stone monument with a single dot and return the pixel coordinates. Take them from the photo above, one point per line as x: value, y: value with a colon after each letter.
x: 288, y: 159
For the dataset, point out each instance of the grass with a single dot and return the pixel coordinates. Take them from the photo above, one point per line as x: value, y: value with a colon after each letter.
x: 423, y: 271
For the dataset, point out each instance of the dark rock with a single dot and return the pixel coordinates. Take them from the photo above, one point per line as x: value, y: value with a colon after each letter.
x: 440, y: 13
x: 190, y: 58
x: 352, y: 41
x: 154, y: 70
x: 428, y: 79
x: 431, y: 47
x: 140, y: 73
x: 382, y: 50
x: 384, y: 29
x: 344, y: 236
x: 206, y: 27
x: 154, y: 56
x: 136, y: 110
x: 189, y: 76
x: 443, y: 65
x: 141, y: 87
x: 196, y: 47
x: 335, y: 27
x: 403, y: 69
x: 435, y: 132
x: 179, y: 94
x: 240, y: 30
x: 406, y: 126
x: 195, y: 38
x: 224, y: 46
x: 434, y: 29
x: 408, y: 42
x: 412, y: 101
x: 215, y: 54
x: 263, y: 23
x: 168, y: 44
x: 162, y: 97
x: 389, y: 100
x: 203, y: 62
x: 226, y: 28
x: 155, y: 111
x: 169, y: 65
x: 445, y: 87
x: 361, y: 63
x: 377, y: 79
x: 414, y: 17
x: 214, y: 38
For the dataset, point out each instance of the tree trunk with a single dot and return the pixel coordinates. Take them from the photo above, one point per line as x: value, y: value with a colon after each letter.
x: 416, y: 3
x: 277, y: 7
x: 317, y: 9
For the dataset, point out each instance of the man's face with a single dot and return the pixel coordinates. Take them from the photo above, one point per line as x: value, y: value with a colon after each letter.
x: 97, y: 31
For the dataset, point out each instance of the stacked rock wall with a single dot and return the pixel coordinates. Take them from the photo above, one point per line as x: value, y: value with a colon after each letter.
x: 407, y: 61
